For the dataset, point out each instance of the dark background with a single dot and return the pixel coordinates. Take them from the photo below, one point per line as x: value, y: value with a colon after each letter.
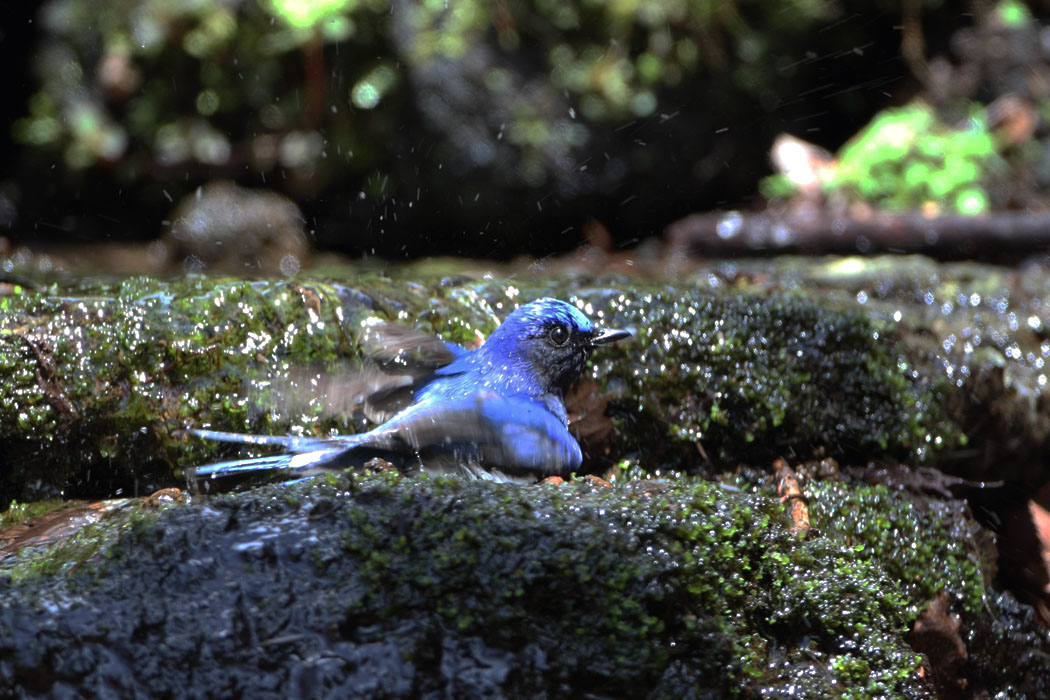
x: 414, y: 186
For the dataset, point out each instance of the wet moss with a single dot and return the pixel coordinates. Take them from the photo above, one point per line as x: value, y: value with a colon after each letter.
x: 70, y: 535
x: 689, y: 587
x: 659, y: 589
x: 18, y: 513
x: 98, y: 377
x: 925, y: 547
x: 751, y: 377
x: 977, y: 331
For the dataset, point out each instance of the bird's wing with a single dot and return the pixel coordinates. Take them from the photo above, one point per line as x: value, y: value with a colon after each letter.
x: 399, y: 362
x: 530, y: 437
x: 458, y: 366
x: 503, y: 431
x: 389, y: 393
x: 510, y: 432
x: 407, y: 349
x: 405, y: 362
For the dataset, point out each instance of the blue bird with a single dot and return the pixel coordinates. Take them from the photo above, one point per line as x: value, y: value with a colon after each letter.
x: 497, y: 412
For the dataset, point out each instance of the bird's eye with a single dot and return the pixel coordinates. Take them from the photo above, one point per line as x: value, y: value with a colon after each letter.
x: 559, y: 335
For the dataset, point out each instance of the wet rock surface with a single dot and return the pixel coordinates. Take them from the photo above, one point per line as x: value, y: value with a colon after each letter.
x: 267, y: 595
x: 378, y: 586
x: 383, y: 587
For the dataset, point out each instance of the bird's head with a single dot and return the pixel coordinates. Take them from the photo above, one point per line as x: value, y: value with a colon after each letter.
x: 553, y: 338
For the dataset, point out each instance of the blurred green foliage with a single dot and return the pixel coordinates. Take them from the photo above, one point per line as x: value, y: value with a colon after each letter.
x: 383, y: 118
x: 906, y: 158
x: 138, y: 84
x: 1013, y: 14
x: 146, y: 85
x: 310, y: 18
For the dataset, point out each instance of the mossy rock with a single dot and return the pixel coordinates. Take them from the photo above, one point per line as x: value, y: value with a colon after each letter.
x: 383, y: 586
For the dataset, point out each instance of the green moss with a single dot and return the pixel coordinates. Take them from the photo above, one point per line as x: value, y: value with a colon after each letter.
x: 926, y: 548
x: 750, y: 377
x: 118, y: 368
x: 77, y: 533
x: 18, y: 513
x: 689, y: 586
x: 661, y: 589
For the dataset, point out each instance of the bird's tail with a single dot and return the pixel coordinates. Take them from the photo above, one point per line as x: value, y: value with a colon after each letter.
x: 308, y: 456
x: 288, y: 442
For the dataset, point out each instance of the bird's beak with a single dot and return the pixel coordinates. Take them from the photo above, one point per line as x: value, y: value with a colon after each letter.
x: 608, y: 335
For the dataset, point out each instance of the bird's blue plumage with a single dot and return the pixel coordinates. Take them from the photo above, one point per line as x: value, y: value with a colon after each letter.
x: 497, y: 409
